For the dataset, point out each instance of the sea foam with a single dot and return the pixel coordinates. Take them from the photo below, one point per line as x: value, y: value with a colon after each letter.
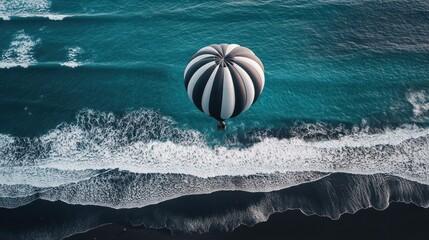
x: 20, y: 51
x: 28, y: 9
x: 18, y: 7
x: 73, y: 55
x: 145, y: 142
x: 420, y: 102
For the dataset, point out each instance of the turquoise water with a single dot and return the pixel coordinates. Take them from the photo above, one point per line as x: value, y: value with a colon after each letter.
x: 327, y: 61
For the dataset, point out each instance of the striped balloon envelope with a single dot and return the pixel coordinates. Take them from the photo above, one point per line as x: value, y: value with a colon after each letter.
x: 224, y: 80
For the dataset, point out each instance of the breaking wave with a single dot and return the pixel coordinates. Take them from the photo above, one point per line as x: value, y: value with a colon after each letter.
x: 95, y: 155
x: 73, y: 57
x: 20, y: 51
x: 24, y: 6
x: 10, y: 8
x: 53, y: 17
x: 420, y: 102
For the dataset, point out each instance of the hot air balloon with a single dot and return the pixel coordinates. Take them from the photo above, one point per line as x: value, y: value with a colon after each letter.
x: 224, y: 80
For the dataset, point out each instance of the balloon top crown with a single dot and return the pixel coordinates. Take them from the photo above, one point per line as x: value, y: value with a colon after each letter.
x: 224, y: 61
x: 224, y: 54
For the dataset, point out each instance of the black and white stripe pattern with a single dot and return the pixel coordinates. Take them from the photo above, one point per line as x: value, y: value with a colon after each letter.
x: 224, y: 80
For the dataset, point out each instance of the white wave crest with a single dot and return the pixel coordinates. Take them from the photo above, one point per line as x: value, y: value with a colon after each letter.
x: 14, y: 7
x: 53, y: 17
x: 56, y: 17
x: 145, y: 142
x: 28, y: 9
x: 73, y: 54
x: 20, y: 51
x: 420, y: 102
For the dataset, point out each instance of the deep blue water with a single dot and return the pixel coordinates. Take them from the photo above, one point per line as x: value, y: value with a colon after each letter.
x: 87, y: 87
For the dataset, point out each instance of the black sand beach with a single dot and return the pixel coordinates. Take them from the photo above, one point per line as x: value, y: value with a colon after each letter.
x: 399, y: 221
x: 359, y: 203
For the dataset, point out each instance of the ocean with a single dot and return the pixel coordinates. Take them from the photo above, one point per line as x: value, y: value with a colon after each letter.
x: 94, y: 112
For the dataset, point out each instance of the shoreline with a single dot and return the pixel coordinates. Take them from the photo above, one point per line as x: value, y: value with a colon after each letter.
x: 398, y: 221
x: 331, y: 199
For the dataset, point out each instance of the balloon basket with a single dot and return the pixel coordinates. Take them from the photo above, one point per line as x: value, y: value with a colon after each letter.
x: 221, y: 126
